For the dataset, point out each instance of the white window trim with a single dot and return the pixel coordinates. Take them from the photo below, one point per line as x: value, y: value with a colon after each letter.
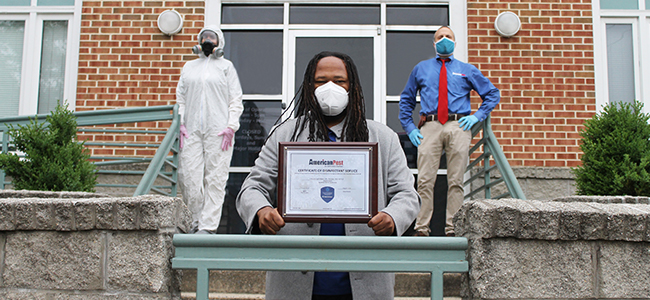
x: 30, y: 72
x: 644, y: 31
x: 457, y: 21
x: 635, y: 52
x: 640, y: 20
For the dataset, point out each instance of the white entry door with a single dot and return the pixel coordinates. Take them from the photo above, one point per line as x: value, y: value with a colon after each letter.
x: 363, y: 46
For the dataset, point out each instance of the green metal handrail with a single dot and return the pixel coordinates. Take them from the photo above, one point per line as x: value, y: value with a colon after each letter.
x: 435, y: 255
x: 161, y: 160
x: 491, y: 149
x: 158, y: 165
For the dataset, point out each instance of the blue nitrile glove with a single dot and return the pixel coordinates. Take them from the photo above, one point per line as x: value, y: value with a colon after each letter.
x: 467, y: 122
x: 415, y: 137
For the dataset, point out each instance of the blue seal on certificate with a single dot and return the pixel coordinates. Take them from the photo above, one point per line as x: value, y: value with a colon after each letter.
x: 327, y: 193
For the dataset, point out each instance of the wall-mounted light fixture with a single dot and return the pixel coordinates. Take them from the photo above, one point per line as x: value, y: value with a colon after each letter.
x: 170, y: 22
x: 507, y: 24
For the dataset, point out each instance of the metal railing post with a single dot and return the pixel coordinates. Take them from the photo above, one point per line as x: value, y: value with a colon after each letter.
x: 492, y: 149
x: 158, y: 161
x: 502, y: 163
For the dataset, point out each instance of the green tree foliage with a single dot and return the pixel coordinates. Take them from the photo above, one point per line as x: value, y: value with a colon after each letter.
x: 54, y: 159
x: 616, y: 147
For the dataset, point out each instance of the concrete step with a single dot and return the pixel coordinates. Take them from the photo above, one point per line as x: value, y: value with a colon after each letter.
x: 234, y: 285
x: 226, y: 296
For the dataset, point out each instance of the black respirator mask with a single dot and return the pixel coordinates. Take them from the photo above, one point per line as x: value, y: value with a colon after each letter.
x: 207, y: 47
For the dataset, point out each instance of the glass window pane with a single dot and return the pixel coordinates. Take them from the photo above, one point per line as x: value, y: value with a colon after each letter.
x: 255, y: 124
x: 15, y: 3
x: 334, y: 14
x: 252, y: 14
x: 392, y: 116
x: 52, y: 77
x: 392, y: 120
x: 12, y: 35
x: 360, y: 49
x: 620, y: 63
x: 619, y: 4
x: 417, y: 15
x: 55, y: 2
x: 404, y: 50
x: 257, y: 56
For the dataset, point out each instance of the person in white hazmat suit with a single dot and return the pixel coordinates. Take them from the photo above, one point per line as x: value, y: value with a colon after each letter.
x: 209, y: 97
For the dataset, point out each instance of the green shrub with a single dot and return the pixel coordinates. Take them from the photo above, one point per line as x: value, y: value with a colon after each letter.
x: 616, y: 147
x: 54, y: 159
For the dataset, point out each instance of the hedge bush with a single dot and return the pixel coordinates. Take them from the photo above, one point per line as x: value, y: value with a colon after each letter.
x: 616, y: 147
x: 54, y: 159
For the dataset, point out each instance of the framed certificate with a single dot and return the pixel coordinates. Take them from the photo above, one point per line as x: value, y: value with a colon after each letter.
x: 321, y: 182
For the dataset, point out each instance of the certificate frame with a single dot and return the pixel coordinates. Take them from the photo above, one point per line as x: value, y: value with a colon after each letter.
x: 291, y: 169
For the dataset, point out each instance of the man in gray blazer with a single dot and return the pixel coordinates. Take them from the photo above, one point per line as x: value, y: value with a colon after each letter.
x: 330, y: 107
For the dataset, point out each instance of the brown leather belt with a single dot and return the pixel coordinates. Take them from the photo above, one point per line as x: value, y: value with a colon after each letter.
x: 434, y: 117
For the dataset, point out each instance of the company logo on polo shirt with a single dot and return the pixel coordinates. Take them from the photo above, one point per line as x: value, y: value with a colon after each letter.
x: 327, y: 193
x: 323, y: 162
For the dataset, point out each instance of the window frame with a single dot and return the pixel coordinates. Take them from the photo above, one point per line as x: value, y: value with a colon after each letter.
x: 635, y: 52
x: 34, y: 16
x: 640, y: 21
x: 457, y: 20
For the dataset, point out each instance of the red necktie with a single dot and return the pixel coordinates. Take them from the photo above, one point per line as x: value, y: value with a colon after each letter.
x: 443, y: 110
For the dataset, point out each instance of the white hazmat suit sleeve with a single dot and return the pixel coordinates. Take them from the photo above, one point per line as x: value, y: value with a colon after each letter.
x: 181, y: 91
x: 235, y: 106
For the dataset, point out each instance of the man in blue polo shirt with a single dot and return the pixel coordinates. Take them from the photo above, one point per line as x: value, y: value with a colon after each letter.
x: 444, y: 84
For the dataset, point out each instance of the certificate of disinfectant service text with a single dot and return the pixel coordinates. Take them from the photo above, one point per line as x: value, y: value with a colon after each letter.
x: 327, y: 182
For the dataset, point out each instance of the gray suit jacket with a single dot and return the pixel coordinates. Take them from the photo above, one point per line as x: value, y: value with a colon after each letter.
x: 396, y: 197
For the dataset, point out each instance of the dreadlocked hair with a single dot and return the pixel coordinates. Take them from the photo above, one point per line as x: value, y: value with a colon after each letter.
x: 355, y: 128
x: 305, y: 106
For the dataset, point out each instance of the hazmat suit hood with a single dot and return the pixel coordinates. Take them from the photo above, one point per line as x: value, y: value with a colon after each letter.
x: 218, y: 52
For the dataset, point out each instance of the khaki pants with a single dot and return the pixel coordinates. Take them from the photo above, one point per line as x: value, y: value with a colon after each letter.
x: 455, y: 142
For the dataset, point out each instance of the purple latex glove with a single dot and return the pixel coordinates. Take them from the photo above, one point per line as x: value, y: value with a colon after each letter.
x: 227, y: 134
x: 182, y: 135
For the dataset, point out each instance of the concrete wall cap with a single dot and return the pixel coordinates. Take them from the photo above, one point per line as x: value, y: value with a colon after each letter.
x: 553, y: 220
x: 147, y: 212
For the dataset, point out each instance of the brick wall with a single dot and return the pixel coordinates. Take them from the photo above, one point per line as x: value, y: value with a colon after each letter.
x: 545, y: 74
x: 125, y: 61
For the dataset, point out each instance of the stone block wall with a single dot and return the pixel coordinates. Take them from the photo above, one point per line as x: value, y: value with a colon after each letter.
x: 84, y: 246
x: 540, y: 183
x: 570, y: 248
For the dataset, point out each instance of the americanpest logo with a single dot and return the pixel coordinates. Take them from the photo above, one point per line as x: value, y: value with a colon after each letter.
x: 327, y: 193
x: 323, y: 162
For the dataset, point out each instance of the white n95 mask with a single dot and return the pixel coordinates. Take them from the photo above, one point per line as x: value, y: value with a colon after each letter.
x: 332, y: 98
